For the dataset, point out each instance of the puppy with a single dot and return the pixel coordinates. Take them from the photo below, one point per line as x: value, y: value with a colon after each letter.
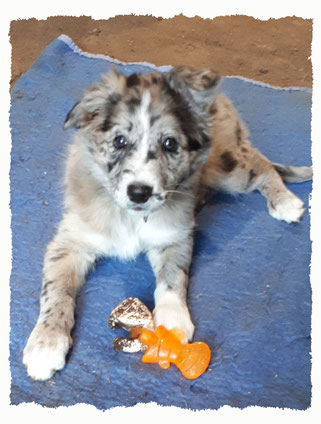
x: 147, y: 149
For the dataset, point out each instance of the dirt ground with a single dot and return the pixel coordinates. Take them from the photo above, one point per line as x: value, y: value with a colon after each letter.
x: 276, y: 51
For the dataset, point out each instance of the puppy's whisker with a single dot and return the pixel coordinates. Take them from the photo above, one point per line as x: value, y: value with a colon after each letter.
x: 183, y: 193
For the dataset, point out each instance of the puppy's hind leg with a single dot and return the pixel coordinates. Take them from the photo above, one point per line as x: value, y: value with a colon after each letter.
x: 246, y: 169
x: 281, y: 202
x: 269, y: 179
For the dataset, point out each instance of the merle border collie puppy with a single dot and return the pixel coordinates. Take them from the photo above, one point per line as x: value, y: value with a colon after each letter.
x: 147, y: 150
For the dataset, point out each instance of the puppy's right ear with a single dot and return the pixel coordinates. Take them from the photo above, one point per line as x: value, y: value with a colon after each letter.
x: 95, y: 101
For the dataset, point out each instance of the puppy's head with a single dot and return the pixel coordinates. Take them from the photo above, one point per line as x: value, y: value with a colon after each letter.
x: 149, y: 134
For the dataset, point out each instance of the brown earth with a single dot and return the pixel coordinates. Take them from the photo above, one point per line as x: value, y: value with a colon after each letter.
x: 276, y: 51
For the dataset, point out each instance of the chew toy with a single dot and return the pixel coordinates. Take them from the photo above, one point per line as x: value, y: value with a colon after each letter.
x: 162, y: 346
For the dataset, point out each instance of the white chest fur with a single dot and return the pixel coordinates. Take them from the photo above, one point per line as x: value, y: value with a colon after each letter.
x: 134, y: 234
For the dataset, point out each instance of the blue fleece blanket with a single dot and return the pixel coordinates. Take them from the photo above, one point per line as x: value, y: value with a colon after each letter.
x: 250, y: 294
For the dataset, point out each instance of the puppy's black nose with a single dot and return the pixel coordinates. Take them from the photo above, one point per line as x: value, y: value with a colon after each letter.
x: 139, y: 193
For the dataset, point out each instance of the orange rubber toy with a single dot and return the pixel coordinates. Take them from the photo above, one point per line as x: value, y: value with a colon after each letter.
x: 164, y: 347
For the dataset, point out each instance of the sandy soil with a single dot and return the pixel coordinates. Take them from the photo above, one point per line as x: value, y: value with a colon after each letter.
x: 273, y: 51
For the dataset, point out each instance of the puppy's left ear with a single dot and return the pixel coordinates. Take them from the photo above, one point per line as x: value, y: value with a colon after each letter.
x: 198, y: 86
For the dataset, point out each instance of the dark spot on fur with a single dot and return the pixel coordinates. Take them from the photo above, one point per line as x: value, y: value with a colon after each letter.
x: 130, y: 127
x: 113, y: 100
x: 48, y: 311
x: 228, y: 163
x: 155, y: 80
x: 146, y: 83
x: 110, y: 165
x: 193, y: 145
x: 132, y: 103
x: 153, y: 119
x: 111, y: 103
x: 90, y: 150
x: 210, y: 81
x: 106, y: 125
x: 44, y: 291
x: 182, y: 179
x: 244, y: 149
x: 252, y: 175
x: 151, y: 155
x: 133, y: 80
x: 213, y: 109
x: 284, y: 171
x: 238, y: 134
x: 62, y: 314
x: 102, y: 149
x: 272, y: 205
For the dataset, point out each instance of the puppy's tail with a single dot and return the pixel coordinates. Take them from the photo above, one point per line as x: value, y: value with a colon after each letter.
x: 294, y: 174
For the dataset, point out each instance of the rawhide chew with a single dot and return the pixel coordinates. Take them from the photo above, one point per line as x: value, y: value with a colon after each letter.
x: 131, y: 314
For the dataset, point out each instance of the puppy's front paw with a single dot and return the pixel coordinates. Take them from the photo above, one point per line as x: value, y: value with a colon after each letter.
x: 287, y: 208
x: 172, y: 313
x: 45, y: 352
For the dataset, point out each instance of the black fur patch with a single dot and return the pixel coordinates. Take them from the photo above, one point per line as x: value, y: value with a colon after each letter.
x: 210, y: 82
x: 252, y: 175
x: 155, y: 80
x: 110, y: 165
x: 228, y: 162
x: 213, y: 109
x: 272, y: 205
x: 151, y: 155
x: 46, y: 284
x: 132, y: 80
x: 284, y: 171
x: 153, y: 119
x: 193, y: 145
x: 112, y: 102
x: 238, y: 134
x: 106, y: 125
x: 132, y: 103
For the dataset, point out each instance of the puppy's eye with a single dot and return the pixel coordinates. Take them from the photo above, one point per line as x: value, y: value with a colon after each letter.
x: 170, y: 145
x: 120, y: 142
